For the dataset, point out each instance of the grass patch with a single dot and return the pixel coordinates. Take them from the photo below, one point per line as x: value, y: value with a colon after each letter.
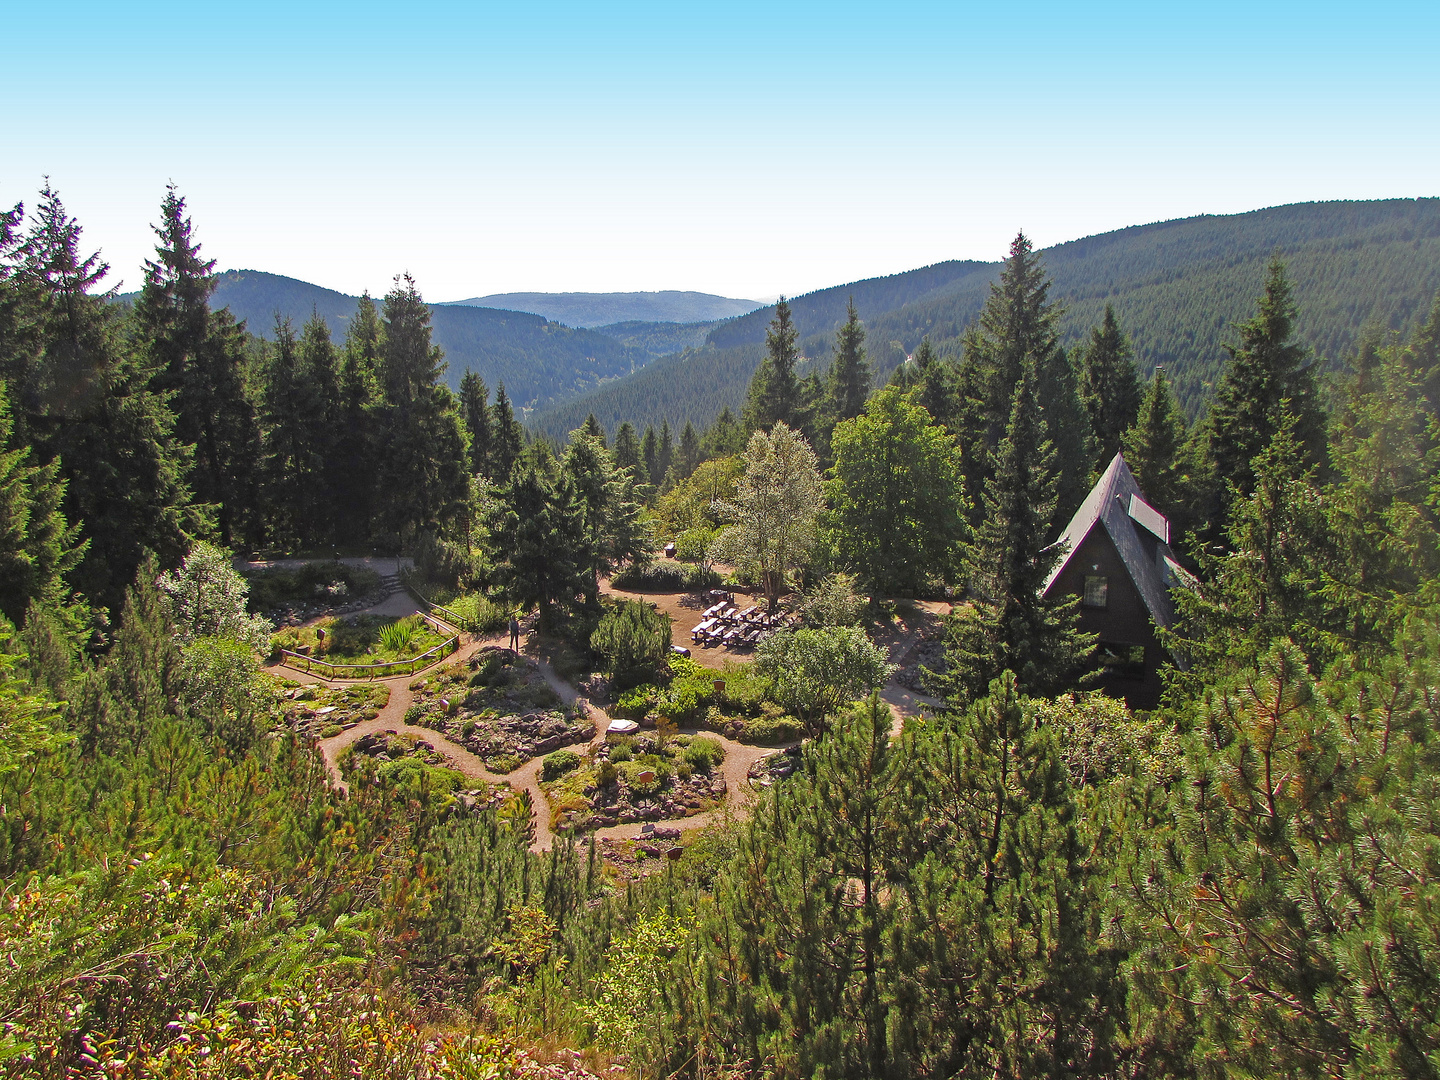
x: 361, y: 639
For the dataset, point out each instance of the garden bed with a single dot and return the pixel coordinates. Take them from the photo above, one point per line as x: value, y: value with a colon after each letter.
x: 499, y: 707
x: 320, y: 712
x: 634, y: 779
x: 739, y: 708
x: 401, y: 758
x: 364, y: 644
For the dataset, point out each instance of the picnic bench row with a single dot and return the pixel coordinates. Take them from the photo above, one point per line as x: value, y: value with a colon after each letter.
x: 725, y: 624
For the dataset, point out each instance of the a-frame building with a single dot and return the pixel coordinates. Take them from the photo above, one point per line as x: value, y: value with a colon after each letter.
x: 1119, y: 562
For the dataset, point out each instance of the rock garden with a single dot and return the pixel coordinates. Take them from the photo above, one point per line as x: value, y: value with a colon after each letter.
x: 319, y: 712
x: 290, y: 595
x: 499, y: 707
x: 734, y: 702
x: 402, y: 759
x: 645, y: 777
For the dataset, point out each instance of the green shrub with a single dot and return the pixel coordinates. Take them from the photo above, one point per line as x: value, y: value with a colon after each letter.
x: 682, y: 702
x: 479, y: 613
x: 776, y: 729
x: 606, y: 773
x: 692, y: 545
x: 636, y: 703
x: 558, y: 764
x: 704, y: 754
x: 621, y: 750
x: 467, y: 729
x: 634, y: 638
x: 662, y: 575
x: 329, y: 731
x: 502, y: 763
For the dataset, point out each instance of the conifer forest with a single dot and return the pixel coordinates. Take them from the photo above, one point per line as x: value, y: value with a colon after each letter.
x: 353, y: 724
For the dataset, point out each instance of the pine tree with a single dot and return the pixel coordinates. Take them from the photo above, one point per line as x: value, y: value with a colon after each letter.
x: 775, y: 394
x: 1015, y: 628
x: 1422, y: 356
x: 849, y: 378
x: 475, y: 411
x: 1109, y: 385
x: 1265, y: 378
x: 201, y: 362
x: 507, y: 435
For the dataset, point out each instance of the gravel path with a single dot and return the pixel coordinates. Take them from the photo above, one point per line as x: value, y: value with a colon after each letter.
x: 738, y: 756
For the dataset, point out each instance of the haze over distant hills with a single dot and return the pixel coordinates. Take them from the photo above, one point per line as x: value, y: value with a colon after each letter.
x: 1178, y: 288
x: 589, y: 310
x: 540, y: 362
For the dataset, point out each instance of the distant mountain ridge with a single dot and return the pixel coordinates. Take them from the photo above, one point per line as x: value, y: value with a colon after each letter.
x: 1178, y: 288
x: 590, y: 310
x: 539, y: 361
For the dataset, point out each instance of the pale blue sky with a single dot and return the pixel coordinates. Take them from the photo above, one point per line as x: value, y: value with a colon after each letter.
x: 743, y: 149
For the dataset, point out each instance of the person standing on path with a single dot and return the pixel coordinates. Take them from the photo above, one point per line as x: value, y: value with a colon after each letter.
x: 514, y: 634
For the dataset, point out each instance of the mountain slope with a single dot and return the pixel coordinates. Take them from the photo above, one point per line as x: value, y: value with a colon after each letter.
x: 601, y: 309
x: 1178, y: 287
x: 540, y: 362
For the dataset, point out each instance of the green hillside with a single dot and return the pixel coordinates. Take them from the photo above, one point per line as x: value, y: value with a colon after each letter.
x: 659, y: 338
x: 591, y: 310
x: 1177, y: 287
x: 540, y: 362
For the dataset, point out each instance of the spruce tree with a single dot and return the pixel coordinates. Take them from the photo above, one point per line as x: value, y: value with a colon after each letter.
x: 1014, y: 628
x: 508, y: 439
x: 1422, y: 356
x: 724, y: 437
x: 592, y: 428
x: 664, y: 454
x: 475, y: 411
x: 935, y: 382
x: 354, y: 448
x: 610, y: 524
x: 292, y: 466
x: 1155, y: 450
x: 200, y: 361
x: 422, y: 479
x: 88, y: 401
x: 689, y: 453
x: 650, y: 456
x: 775, y: 394
x: 538, y: 527
x: 1266, y: 378
x: 849, y: 378
x: 1109, y: 385
x: 627, y: 451
x: 38, y: 548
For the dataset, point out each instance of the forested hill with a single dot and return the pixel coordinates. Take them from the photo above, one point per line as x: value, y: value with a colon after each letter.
x: 1177, y: 286
x: 601, y: 309
x: 540, y: 362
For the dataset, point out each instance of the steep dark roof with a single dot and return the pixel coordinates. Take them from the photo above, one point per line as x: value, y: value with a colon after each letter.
x: 1117, y: 503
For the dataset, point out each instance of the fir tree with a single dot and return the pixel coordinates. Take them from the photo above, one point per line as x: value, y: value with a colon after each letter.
x: 293, y: 466
x: 935, y: 381
x: 664, y: 454
x: 1266, y: 378
x: 354, y: 448
x: 775, y: 394
x: 1422, y: 356
x: 537, y: 525
x: 1109, y: 385
x: 593, y: 429
x: 1015, y: 628
x: 726, y: 436
x: 849, y: 378
x: 475, y: 411
x: 609, y: 513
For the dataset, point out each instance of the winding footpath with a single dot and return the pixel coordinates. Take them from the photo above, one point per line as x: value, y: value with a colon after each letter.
x: 739, y: 757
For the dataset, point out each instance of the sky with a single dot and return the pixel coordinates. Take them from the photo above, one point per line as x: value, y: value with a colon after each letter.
x: 734, y: 148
